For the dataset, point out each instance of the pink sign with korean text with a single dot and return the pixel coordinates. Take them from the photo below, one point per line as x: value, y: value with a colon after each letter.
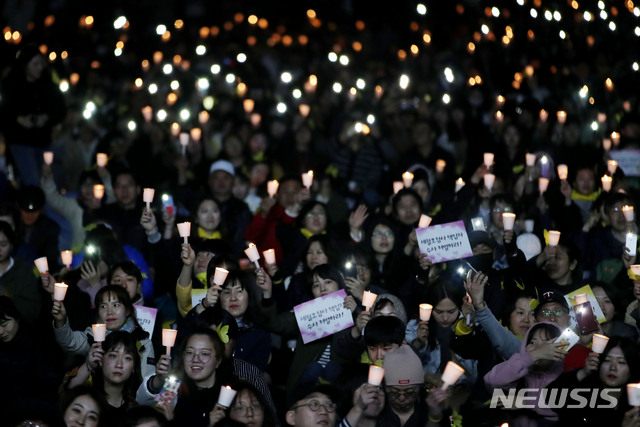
x: 444, y: 242
x: 323, y: 316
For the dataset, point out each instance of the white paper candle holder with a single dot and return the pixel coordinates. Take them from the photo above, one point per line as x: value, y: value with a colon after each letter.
x: 488, y: 159
x: 612, y: 166
x: 184, y: 229
x: 307, y: 179
x: 440, y: 165
x: 543, y: 184
x: 169, y: 339
x: 628, y: 213
x: 633, y: 392
x: 397, y: 186
x: 508, y: 220
x: 41, y: 264
x: 272, y: 187
x: 368, y: 299
x: 98, y: 191
x: 606, y: 181
x: 563, y: 172
x: 47, y: 156
x: 101, y: 160
x: 489, y: 180
x: 407, y: 179
x: 220, y: 276
x: 269, y: 256
x: 376, y: 374
x: 554, y: 237
x: 599, y: 343
x: 425, y: 312
x: 424, y: 222
x: 226, y: 396
x: 451, y: 374
x: 147, y: 197
x: 253, y: 254
x: 99, y: 331
x: 67, y: 258
x: 530, y: 159
x: 60, y: 291
x: 459, y: 184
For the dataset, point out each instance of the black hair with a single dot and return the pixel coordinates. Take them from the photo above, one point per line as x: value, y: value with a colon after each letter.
x: 552, y: 331
x: 8, y: 309
x: 510, y: 305
x: 221, y: 261
x: 101, y: 244
x: 405, y: 192
x: 215, y: 246
x: 378, y: 220
x: 308, y: 207
x: 327, y: 247
x: 384, y: 330
x: 240, y: 386
x: 629, y: 350
x: 218, y: 345
x: 326, y: 271
x: 123, y: 297
x: 440, y: 291
x: 217, y: 316
x: 613, y: 197
x: 574, y: 254
x: 91, y: 174
x: 124, y: 171
x: 129, y: 268
x: 143, y: 414
x: 5, y: 228
x: 70, y: 395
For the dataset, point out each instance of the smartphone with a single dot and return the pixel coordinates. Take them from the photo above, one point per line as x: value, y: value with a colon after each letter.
x: 169, y: 392
x: 350, y: 270
x: 585, y: 318
x: 167, y: 203
x: 569, y: 338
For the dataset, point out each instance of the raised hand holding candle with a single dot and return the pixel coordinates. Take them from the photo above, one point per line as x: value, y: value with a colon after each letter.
x: 612, y: 166
x: 67, y: 258
x: 599, y: 343
x: 169, y: 339
x: 99, y: 331
x: 489, y: 179
x: 554, y: 237
x: 98, y: 191
x: 101, y: 160
x: 397, y: 186
x: 48, y: 157
x: 606, y: 182
x: 425, y: 312
x: 59, y: 291
x: 563, y: 172
x: 220, y: 276
x: 307, y: 179
x: 440, y: 165
x: 530, y: 159
x: 368, y: 298
x: 628, y: 213
x: 376, y: 374
x: 508, y: 219
x: 226, y: 396
x: 543, y: 184
x: 184, y: 229
x: 424, y: 222
x: 253, y: 254
x: 488, y: 159
x: 459, y: 184
x: 407, y: 179
x: 147, y: 197
x: 451, y: 374
x: 41, y: 264
x: 272, y: 187
x: 269, y: 256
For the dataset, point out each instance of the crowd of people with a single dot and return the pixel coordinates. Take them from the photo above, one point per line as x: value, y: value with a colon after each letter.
x: 325, y: 133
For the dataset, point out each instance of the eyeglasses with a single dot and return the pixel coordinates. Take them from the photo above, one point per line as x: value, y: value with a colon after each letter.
x: 395, y: 393
x: 315, y: 406
x: 316, y: 214
x: 203, y: 356
x: 548, y: 313
x: 254, y: 408
x: 500, y: 210
x: 382, y: 234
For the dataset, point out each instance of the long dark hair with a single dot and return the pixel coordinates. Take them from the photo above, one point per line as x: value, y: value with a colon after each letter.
x: 629, y: 350
x: 325, y: 271
x: 240, y: 386
x: 70, y: 395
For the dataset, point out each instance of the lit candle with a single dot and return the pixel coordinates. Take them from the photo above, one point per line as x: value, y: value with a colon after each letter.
x: 48, y: 157
x: 169, y: 339
x: 376, y: 374
x: 272, y: 187
x: 606, y: 144
x: 59, y: 291
x: 67, y: 258
x: 226, y: 396
x: 307, y: 179
x: 184, y: 229
x: 554, y: 237
x: 508, y: 219
x: 397, y: 186
x: 101, y: 160
x: 196, y: 134
x: 99, y: 331
x: 580, y: 299
x: 459, y: 184
x: 544, y: 115
x: 269, y: 256
x: 98, y: 191
x: 255, y: 119
x: 628, y: 213
x: 489, y: 179
x: 368, y: 298
x: 248, y: 105
x: 304, y: 110
x: 451, y: 374
x: 253, y: 254
x: 220, y: 276
x: 147, y: 113
x: 562, y: 117
x: 175, y: 129
x: 563, y: 172
x: 635, y: 268
x: 530, y: 159
x: 407, y: 179
x: 633, y: 393
x: 599, y: 343
x: 184, y: 141
x: 612, y: 166
x: 499, y: 116
x: 615, y: 138
x: 488, y: 159
x: 440, y: 165
x: 425, y: 312
x: 606, y: 182
x: 41, y: 264
x: 424, y: 222
x: 147, y: 197
x: 543, y: 184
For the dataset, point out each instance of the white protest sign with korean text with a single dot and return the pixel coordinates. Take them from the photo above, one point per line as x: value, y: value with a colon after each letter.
x: 323, y: 316
x: 146, y: 318
x: 444, y: 242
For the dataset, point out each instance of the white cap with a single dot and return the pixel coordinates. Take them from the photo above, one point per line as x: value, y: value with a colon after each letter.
x: 222, y: 165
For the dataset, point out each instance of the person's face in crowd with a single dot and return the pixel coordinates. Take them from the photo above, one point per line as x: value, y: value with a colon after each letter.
x: 29, y: 218
x: 496, y: 213
x: 86, y: 193
x: 234, y: 299
x: 304, y: 415
x: 605, y: 303
x: 287, y: 194
x: 614, y: 370
x: 386, y: 310
x: 481, y: 249
x: 201, y: 360
x: 421, y: 187
x: 408, y: 210
x: 82, y: 412
x: 8, y: 329
x: 258, y: 143
x: 321, y: 287
x: 233, y: 147
x: 382, y: 239
x: 247, y: 409
x: 126, y: 191
x: 554, y: 312
x: 445, y: 312
x: 34, y: 68
x: 316, y: 256
x: 378, y: 352
x: 616, y: 217
x: 522, y: 317
x: 208, y: 216
x: 240, y: 188
x: 559, y: 267
x: 127, y: 281
x: 585, y: 182
x: 316, y: 219
x: 403, y: 398
x: 5, y: 248
x: 117, y: 365
x: 221, y: 184
x: 202, y: 261
x: 112, y: 312
x: 511, y: 137
x: 538, y: 339
x: 259, y: 174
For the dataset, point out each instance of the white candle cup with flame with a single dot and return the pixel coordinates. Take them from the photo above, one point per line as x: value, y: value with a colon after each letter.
x: 424, y: 222
x: 425, y: 312
x: 47, y: 156
x: 220, y: 276
x: 459, y: 184
x: 606, y: 181
x: 615, y: 138
x: 272, y: 187
x: 60, y: 291
x: 633, y: 392
x: 98, y: 191
x: 253, y: 254
x: 376, y: 374
x: 554, y: 237
x: 440, y: 165
x: 99, y: 331
x: 562, y: 117
x: 67, y: 258
x: 451, y: 374
x: 169, y: 339
x: 147, y: 197
x: 580, y: 299
x: 41, y: 264
x: 407, y: 179
x: 628, y: 213
x: 184, y: 229
x: 307, y: 179
x: 563, y: 172
x: 606, y: 144
x: 226, y: 396
x: 196, y: 134
x: 598, y: 343
x: 508, y: 219
x: 248, y: 105
x: 184, y: 141
x: 397, y: 186
x: 489, y: 180
x: 101, y: 160
x: 368, y: 298
x: 530, y: 159
x: 488, y: 159
x: 269, y: 256
x: 612, y: 167
x: 147, y: 113
x: 543, y: 184
x: 544, y: 115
